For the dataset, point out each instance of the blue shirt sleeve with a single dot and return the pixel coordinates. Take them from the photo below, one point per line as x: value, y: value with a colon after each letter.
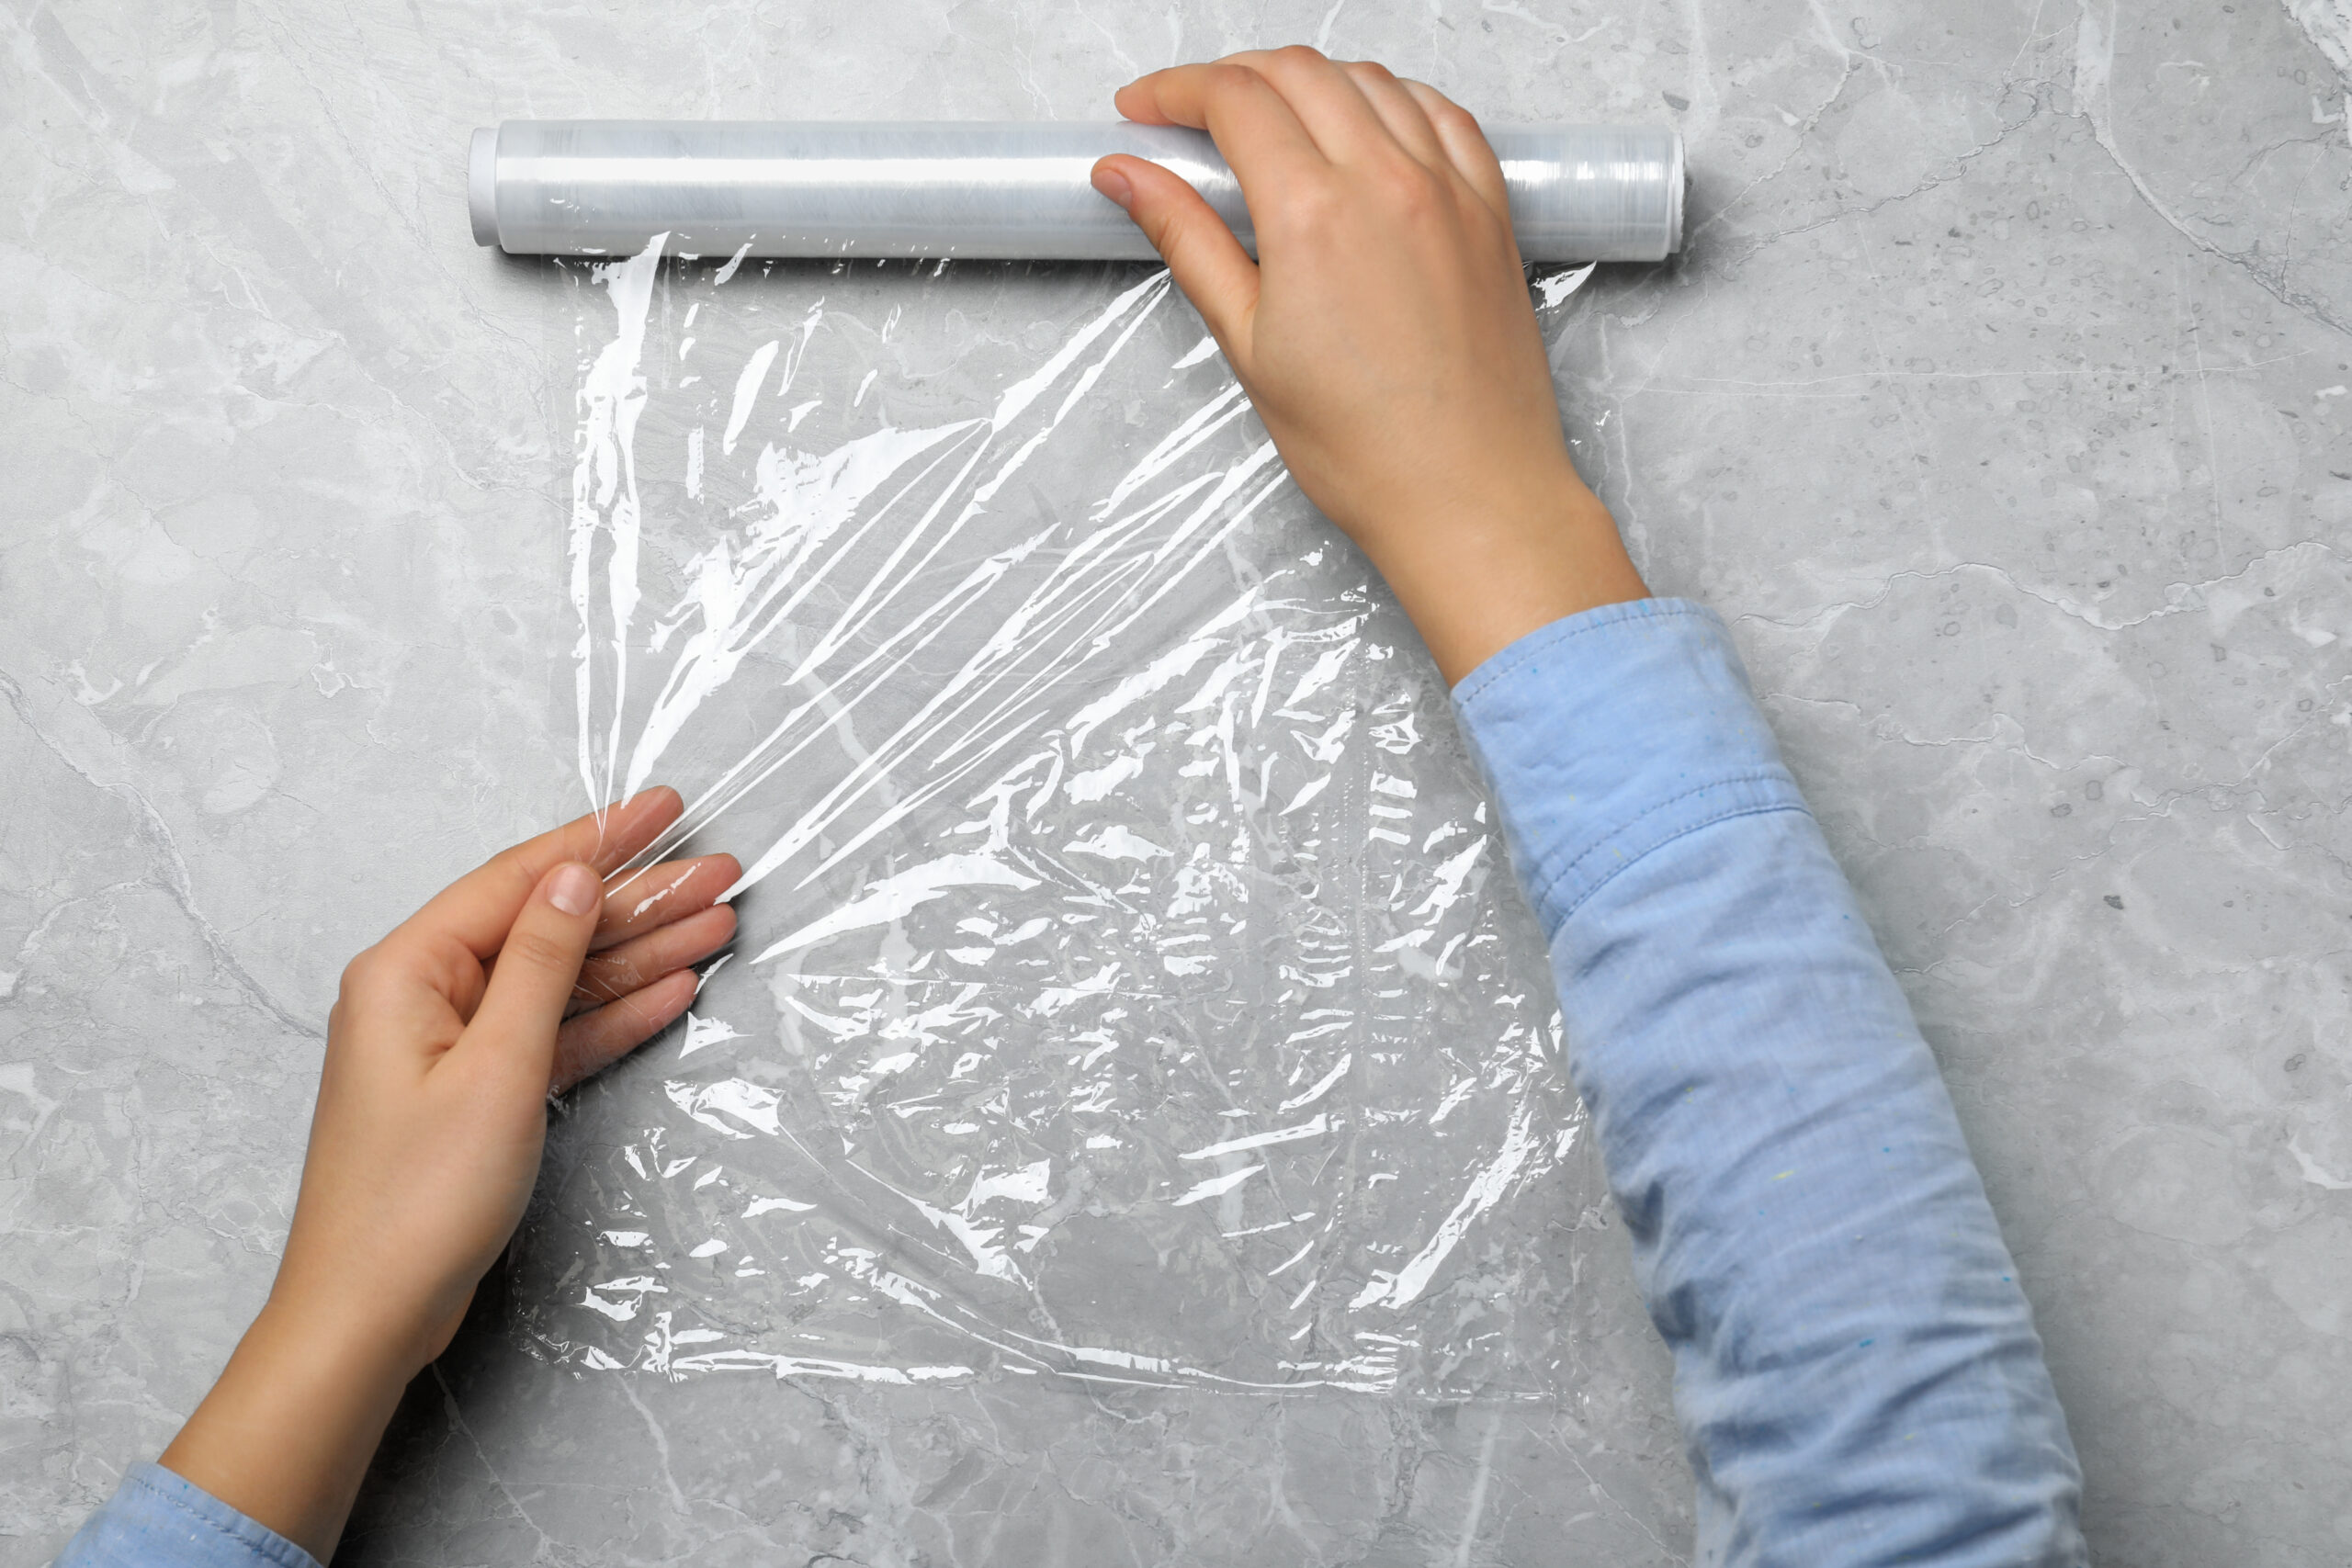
x: 1857, y: 1373
x: 155, y: 1519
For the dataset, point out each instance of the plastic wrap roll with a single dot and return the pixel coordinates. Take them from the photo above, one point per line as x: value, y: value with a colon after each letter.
x: 1015, y: 190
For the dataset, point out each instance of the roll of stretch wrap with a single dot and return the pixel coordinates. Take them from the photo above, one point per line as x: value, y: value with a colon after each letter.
x: 1015, y: 190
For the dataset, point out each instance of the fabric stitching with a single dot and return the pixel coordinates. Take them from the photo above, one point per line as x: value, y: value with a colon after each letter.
x: 268, y: 1548
x: 1764, y: 809
x: 1542, y: 890
x: 1729, y: 780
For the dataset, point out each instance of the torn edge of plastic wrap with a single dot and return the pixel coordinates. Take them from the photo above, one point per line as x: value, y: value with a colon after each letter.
x: 1130, y: 986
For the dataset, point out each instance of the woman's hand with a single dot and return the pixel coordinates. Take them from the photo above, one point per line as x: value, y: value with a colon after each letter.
x: 516, y: 982
x: 1385, y: 334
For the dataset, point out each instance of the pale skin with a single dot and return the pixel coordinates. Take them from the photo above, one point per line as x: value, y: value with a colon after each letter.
x: 1384, y: 335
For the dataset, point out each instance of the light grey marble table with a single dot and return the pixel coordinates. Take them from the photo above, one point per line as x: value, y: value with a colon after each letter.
x: 1999, y: 400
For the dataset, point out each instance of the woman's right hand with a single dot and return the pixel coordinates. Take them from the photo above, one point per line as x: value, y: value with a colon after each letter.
x: 1385, y: 334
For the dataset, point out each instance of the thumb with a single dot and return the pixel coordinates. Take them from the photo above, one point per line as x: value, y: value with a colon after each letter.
x: 1207, y: 263
x: 539, y: 963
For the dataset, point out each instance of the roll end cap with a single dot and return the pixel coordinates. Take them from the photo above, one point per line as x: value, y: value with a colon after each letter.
x: 481, y: 186
x: 1677, y: 197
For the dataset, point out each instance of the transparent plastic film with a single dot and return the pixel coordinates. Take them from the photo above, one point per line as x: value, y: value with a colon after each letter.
x: 1130, y: 984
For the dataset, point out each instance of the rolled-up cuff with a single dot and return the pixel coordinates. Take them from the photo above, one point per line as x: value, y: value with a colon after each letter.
x: 1610, y: 733
x: 158, y: 1519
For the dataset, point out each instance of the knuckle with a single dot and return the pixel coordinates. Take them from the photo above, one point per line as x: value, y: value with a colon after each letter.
x: 1186, y: 235
x: 1442, y: 110
x: 607, y: 979
x: 513, y: 868
x: 538, y: 950
x: 1174, y: 233
x: 363, y: 975
x: 1412, y: 188
x: 1455, y: 118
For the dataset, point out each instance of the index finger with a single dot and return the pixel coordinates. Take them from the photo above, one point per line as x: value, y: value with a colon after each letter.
x: 479, y: 908
x: 1253, y: 126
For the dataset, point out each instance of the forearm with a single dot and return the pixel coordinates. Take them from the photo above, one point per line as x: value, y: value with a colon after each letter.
x: 286, y: 1435
x: 264, y: 1474
x: 1856, y: 1368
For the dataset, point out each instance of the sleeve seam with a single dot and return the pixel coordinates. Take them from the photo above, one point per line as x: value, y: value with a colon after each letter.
x: 267, y: 1549
x: 1752, y: 775
x: 1539, y: 895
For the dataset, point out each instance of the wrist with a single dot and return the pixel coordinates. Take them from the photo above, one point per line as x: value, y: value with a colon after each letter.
x: 334, y: 1302
x: 286, y: 1434
x: 1499, y: 564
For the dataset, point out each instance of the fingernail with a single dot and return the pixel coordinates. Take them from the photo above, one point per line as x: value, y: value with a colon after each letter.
x: 573, y: 889
x: 1113, y: 184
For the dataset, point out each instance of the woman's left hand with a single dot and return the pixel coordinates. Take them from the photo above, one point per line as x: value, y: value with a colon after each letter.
x: 517, y: 981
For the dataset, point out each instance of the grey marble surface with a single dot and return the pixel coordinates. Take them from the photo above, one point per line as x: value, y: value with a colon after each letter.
x: 1999, y: 400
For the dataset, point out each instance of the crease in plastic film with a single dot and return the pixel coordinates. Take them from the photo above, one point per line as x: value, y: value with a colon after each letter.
x: 1130, y: 988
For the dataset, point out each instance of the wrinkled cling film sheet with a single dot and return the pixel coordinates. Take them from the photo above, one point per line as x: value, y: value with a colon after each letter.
x: 1130, y: 987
